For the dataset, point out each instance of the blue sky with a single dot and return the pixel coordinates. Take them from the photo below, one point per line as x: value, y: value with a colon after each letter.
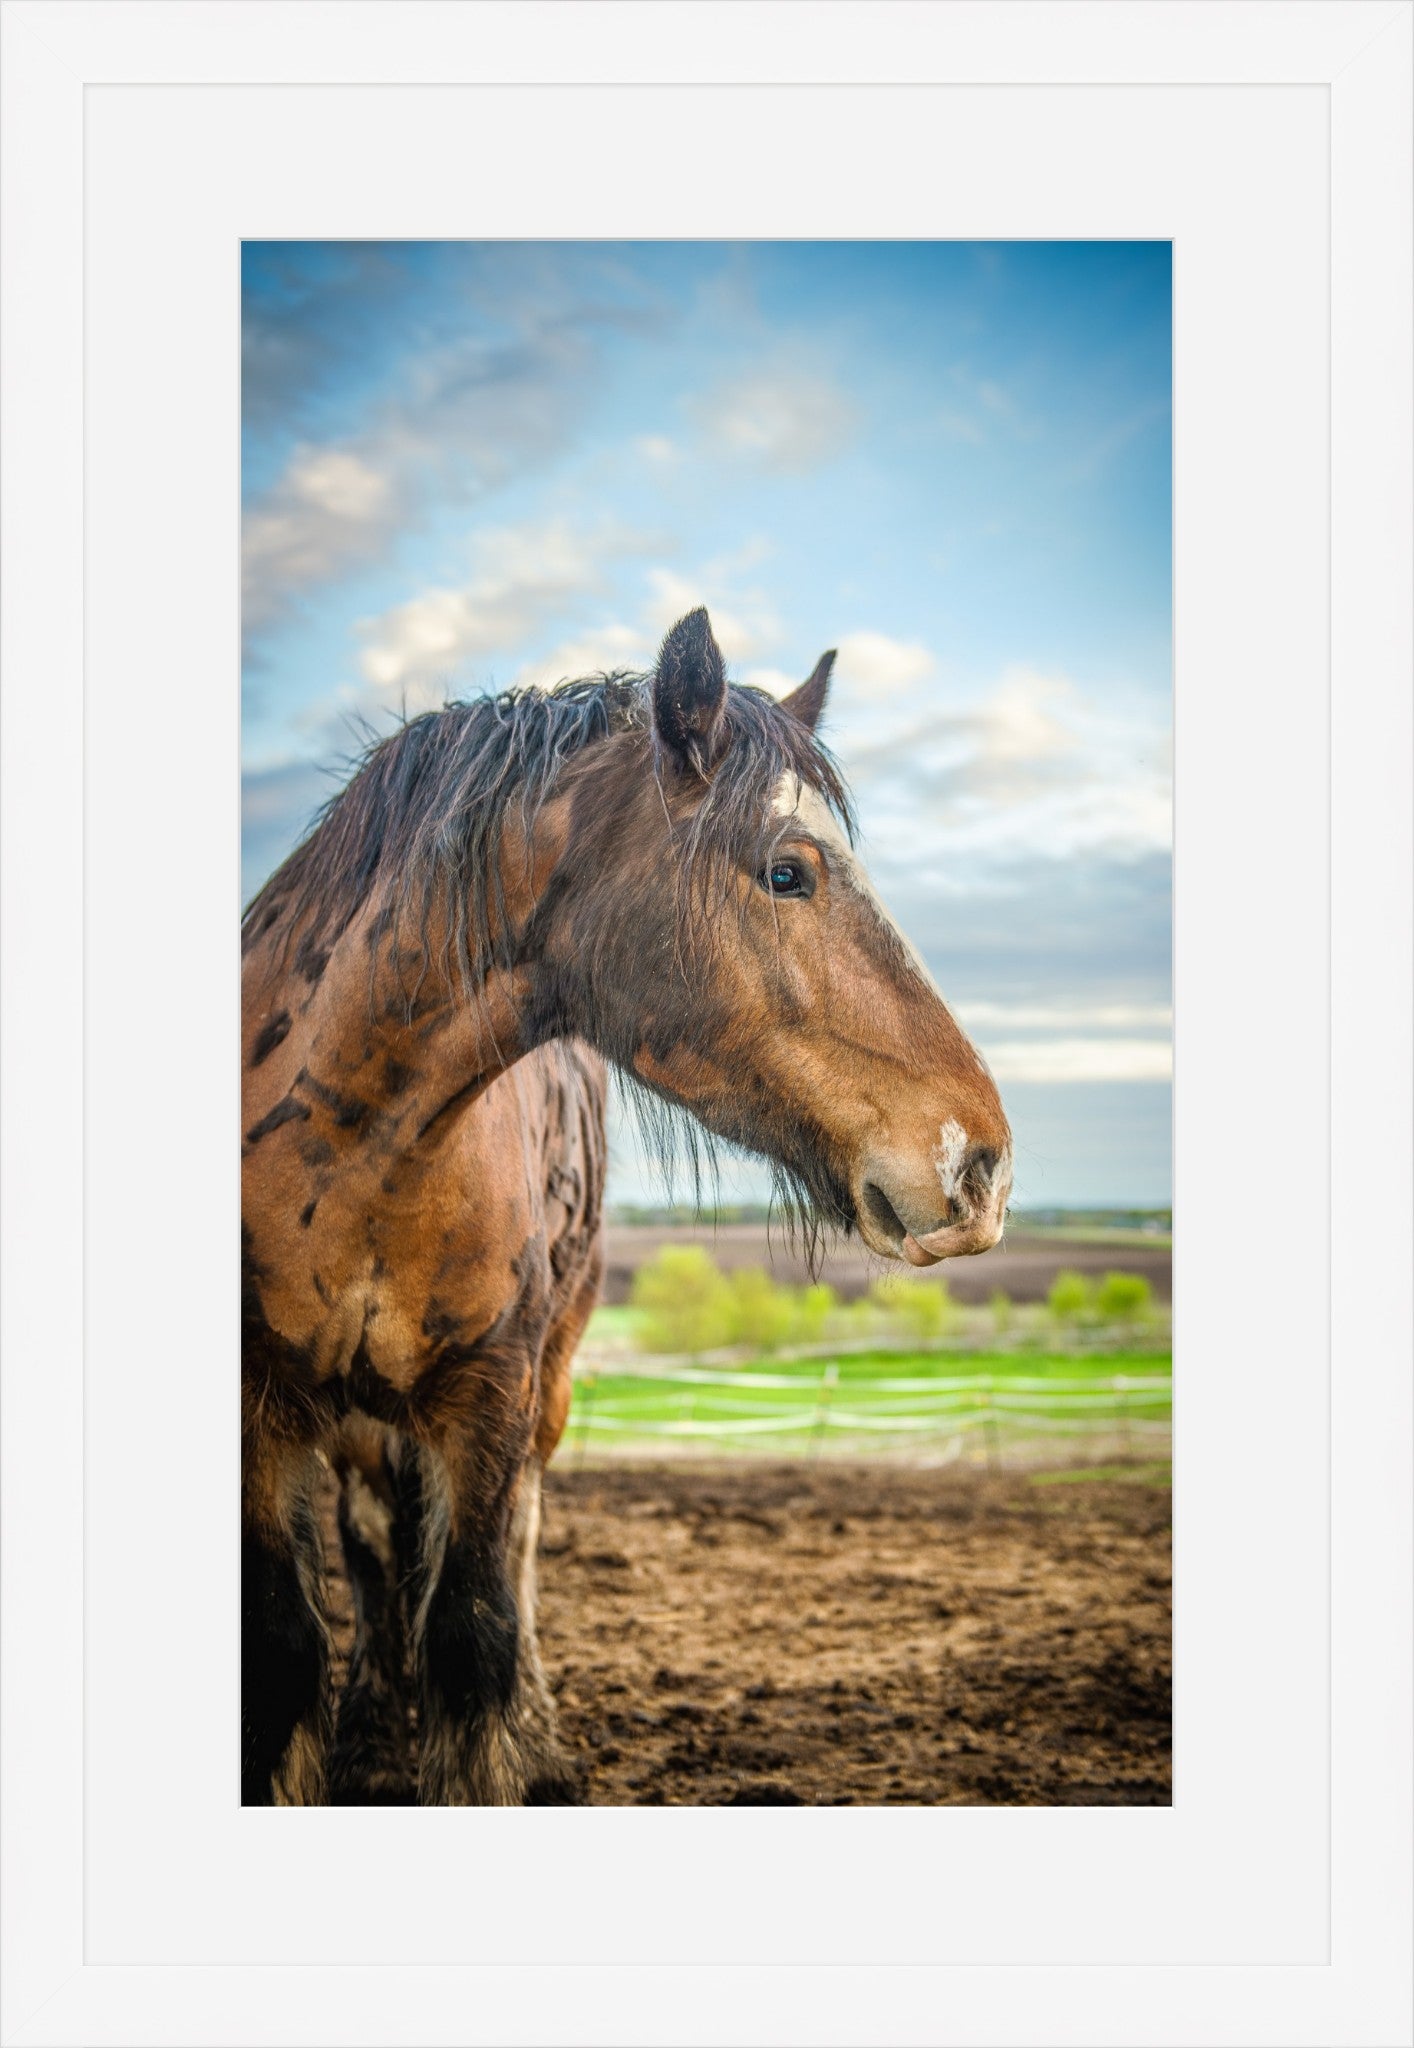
x: 469, y: 465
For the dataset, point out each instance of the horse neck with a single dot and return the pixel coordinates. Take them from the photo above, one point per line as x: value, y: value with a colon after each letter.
x: 387, y: 1034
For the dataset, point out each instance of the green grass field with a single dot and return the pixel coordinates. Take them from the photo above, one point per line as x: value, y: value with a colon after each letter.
x: 987, y: 1402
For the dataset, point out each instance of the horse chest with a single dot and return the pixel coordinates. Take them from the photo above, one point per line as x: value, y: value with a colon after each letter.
x: 370, y: 1316
x: 392, y: 1333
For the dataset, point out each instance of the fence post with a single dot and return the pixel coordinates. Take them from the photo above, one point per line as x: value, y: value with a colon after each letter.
x: 1125, y: 1445
x: 822, y: 1406
x: 589, y: 1383
x: 989, y: 1424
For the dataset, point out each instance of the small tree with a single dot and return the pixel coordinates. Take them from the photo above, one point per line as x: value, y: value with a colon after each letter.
x: 813, y: 1308
x: 1003, y: 1311
x: 762, y: 1313
x: 686, y: 1302
x: 924, y: 1308
x: 1071, y: 1299
x: 1124, y: 1298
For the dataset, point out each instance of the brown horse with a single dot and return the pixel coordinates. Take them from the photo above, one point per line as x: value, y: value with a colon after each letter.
x: 655, y: 867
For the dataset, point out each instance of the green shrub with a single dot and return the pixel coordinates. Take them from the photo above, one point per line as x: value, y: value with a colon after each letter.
x: 1124, y: 1298
x: 1072, y: 1298
x: 923, y: 1308
x: 1003, y: 1310
x: 813, y: 1308
x: 687, y: 1303
x: 857, y: 1318
x: 762, y: 1313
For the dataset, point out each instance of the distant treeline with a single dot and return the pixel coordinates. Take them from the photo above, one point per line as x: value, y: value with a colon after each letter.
x: 670, y: 1215
x: 661, y: 1215
x: 1156, y: 1220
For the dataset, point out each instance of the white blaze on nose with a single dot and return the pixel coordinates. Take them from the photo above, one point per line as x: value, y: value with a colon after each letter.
x: 949, y: 1156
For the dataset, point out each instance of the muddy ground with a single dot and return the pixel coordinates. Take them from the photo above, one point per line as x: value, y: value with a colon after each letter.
x: 858, y: 1635
x: 1023, y: 1266
x: 832, y: 1634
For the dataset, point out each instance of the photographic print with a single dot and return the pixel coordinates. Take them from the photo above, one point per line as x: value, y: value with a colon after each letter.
x: 706, y: 1023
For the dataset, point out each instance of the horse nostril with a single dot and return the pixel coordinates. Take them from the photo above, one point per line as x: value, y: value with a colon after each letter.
x: 882, y: 1213
x: 977, y: 1183
x: 980, y: 1165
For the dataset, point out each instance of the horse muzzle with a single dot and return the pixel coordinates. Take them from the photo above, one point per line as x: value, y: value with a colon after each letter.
x: 904, y: 1222
x: 956, y: 1240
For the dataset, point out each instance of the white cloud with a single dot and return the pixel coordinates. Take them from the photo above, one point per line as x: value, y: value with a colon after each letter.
x: 527, y: 577
x: 523, y: 575
x: 744, y: 625
x: 656, y: 448
x: 773, y: 679
x: 780, y: 418
x: 1026, y: 719
x: 460, y: 410
x: 1031, y: 765
x: 873, y: 665
x: 605, y: 647
x: 330, y: 510
x: 1080, y: 1059
x: 1065, y: 1017
x: 1073, y: 1041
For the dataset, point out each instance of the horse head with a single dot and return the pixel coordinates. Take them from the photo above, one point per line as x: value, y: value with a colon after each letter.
x: 707, y: 924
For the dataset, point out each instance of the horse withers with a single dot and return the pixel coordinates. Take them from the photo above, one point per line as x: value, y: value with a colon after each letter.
x: 654, y: 871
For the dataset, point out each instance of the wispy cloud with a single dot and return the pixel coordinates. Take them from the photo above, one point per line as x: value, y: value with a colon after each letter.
x: 598, y: 650
x: 1067, y: 1060
x: 530, y: 580
x: 1033, y: 761
x: 978, y: 408
x: 330, y: 511
x: 1062, y: 1043
x: 452, y: 421
x: 877, y: 666
x: 1066, y: 1017
x: 320, y: 313
x: 1112, y: 440
x: 782, y: 418
x: 743, y: 620
x: 523, y: 577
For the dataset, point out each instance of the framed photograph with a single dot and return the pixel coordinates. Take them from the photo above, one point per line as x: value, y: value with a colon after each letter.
x: 946, y: 284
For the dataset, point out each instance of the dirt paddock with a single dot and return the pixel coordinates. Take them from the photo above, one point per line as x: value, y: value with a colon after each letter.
x: 859, y: 1635
x: 845, y: 1634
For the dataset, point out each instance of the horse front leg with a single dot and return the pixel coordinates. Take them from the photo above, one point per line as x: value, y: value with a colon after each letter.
x: 371, y: 1762
x: 471, y: 1749
x: 285, y: 1708
x: 486, y: 1722
x: 553, y: 1780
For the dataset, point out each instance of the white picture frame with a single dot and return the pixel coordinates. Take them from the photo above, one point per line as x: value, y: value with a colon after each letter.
x: 1272, y: 1902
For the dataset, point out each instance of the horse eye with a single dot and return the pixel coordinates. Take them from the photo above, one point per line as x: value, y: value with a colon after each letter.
x: 783, y: 878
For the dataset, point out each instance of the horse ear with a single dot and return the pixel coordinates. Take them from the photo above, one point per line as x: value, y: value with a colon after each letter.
x: 690, y: 693
x: 807, y: 702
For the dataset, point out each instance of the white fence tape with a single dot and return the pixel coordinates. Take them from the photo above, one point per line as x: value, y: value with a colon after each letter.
x: 1010, y: 1403
x: 953, y: 1382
